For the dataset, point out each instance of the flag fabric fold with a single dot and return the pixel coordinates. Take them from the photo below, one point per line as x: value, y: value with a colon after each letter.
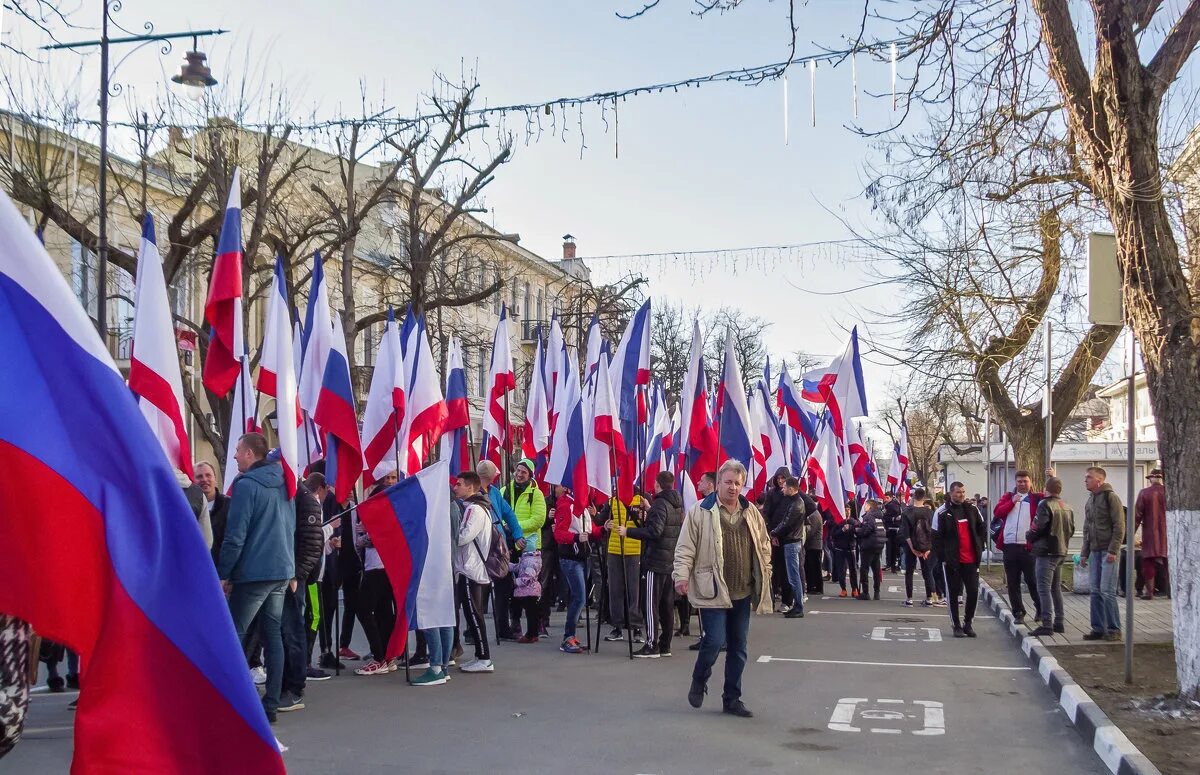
x: 501, y: 381
x: 338, y: 420
x: 385, y: 409
x: 223, y: 308
x: 243, y: 418
x: 455, y: 441
x: 425, y: 406
x: 276, y: 376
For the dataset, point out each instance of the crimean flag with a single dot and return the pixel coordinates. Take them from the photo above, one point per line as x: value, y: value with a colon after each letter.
x: 385, y: 409
x: 424, y: 404
x: 409, y: 524
x: 277, y: 376
x: 698, y: 437
x: 154, y: 366
x: 501, y: 381
x: 107, y: 559
x: 223, y: 309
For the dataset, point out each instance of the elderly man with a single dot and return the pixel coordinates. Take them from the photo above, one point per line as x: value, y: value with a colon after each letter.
x: 723, y: 565
x: 1103, y: 533
x: 1151, y: 516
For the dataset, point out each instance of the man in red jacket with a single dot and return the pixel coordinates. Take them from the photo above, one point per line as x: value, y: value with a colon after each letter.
x: 1015, y: 511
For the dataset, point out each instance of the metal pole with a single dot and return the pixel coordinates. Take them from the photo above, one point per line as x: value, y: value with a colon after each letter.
x: 102, y: 237
x: 1131, y: 431
x: 987, y: 482
x: 1048, y: 407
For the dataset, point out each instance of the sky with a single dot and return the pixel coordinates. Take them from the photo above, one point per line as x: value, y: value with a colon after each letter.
x: 699, y: 170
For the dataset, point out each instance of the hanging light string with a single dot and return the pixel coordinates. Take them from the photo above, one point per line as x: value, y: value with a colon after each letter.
x: 533, y: 111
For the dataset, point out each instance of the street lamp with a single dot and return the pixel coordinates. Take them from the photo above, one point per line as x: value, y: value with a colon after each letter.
x: 195, y: 77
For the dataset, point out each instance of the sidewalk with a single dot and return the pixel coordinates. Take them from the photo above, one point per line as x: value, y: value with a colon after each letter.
x: 1152, y: 619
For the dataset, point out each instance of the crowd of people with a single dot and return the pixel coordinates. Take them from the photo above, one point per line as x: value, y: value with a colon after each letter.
x: 644, y: 569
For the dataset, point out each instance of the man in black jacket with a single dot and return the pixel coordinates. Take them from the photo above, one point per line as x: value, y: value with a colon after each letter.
x: 658, y: 537
x: 775, y: 507
x: 217, y: 504
x: 309, y: 545
x: 789, y: 536
x: 870, y: 533
x: 958, y: 541
x: 892, y: 517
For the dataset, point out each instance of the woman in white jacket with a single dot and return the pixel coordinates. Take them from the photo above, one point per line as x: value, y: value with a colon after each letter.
x: 472, y: 545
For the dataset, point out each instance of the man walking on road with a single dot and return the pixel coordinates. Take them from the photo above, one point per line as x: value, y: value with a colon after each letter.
x: 1103, y: 534
x: 916, y: 533
x: 958, y: 540
x: 723, y: 565
x: 257, y: 555
x: 1016, y: 509
x: 1052, y: 528
x: 1151, y: 516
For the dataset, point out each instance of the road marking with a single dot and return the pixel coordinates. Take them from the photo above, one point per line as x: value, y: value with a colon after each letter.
x: 893, y: 588
x: 765, y: 659
x: 876, y: 614
x: 932, y: 716
x: 906, y: 634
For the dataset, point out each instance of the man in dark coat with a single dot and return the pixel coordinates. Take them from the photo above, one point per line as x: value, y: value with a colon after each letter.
x: 658, y: 537
x: 218, y: 504
x: 775, y: 507
x: 958, y: 541
x: 1151, y: 516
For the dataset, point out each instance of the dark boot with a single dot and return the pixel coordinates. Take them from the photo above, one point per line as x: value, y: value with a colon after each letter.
x: 696, y: 693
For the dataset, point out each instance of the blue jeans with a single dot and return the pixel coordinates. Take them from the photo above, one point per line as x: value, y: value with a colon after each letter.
x: 724, y: 627
x: 265, y: 600
x: 1103, y: 575
x: 572, y: 571
x: 295, y: 641
x: 439, y: 641
x: 793, y: 557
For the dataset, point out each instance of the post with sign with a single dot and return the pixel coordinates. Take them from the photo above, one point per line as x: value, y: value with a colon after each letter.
x: 1104, y: 307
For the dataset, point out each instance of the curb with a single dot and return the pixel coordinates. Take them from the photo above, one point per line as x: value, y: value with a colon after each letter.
x: 1117, y: 752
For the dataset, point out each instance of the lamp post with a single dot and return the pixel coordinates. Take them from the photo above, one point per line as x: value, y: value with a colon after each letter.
x: 194, y: 76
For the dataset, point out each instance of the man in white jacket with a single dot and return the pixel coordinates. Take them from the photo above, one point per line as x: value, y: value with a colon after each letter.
x: 472, y: 545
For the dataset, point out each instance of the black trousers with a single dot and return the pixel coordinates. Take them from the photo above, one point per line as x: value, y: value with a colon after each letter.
x: 869, y: 569
x: 684, y: 609
x: 532, y: 608
x: 329, y: 604
x: 910, y: 565
x: 780, y: 586
x: 843, y: 564
x: 551, y: 577
x: 893, y: 549
x: 378, y: 611
x: 502, y: 602
x: 962, y: 578
x: 473, y: 596
x: 1018, y: 565
x: 815, y: 582
x: 351, y: 581
x: 660, y: 611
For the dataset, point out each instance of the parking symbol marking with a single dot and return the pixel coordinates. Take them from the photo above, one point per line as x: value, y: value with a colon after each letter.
x: 907, y: 634
x: 888, y: 716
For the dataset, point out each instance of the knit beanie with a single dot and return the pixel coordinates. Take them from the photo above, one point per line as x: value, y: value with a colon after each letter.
x: 528, y: 464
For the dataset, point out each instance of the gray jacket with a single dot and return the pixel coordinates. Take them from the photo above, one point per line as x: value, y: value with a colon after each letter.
x: 1103, y: 521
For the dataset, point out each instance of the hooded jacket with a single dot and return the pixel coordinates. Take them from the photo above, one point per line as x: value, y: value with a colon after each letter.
x: 775, y: 502
x: 699, y: 559
x: 661, y: 532
x: 870, y: 531
x: 310, y: 537
x: 260, y: 529
x: 474, y: 539
x: 946, y: 539
x: 529, y: 507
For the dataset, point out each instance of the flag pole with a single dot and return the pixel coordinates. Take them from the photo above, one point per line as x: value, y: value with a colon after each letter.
x: 396, y: 450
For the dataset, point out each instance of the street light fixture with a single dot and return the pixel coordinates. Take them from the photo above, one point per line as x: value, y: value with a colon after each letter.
x: 195, y: 77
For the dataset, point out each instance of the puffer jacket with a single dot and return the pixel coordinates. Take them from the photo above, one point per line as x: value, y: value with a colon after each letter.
x: 629, y: 517
x: 529, y: 506
x: 699, y: 560
x: 661, y: 532
x: 870, y: 531
x: 261, y: 527
x: 310, y: 537
x: 1103, y: 521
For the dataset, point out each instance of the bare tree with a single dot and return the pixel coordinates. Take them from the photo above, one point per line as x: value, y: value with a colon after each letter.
x: 670, y: 346
x: 749, y: 349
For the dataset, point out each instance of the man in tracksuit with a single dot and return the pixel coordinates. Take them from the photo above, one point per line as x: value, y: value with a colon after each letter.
x: 958, y: 541
x: 658, y: 537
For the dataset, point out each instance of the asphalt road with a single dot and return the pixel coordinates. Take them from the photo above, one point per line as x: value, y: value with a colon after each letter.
x: 844, y: 691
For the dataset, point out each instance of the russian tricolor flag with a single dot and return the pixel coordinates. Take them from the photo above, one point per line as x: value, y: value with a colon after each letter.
x: 337, y: 419
x: 697, y: 434
x: 455, y: 441
x: 409, y: 524
x: 106, y: 557
x: 568, y: 464
x: 501, y: 380
x: 629, y: 371
x: 735, y: 440
x: 223, y: 309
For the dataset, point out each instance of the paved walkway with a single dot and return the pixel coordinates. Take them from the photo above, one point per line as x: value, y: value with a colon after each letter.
x: 1152, y: 619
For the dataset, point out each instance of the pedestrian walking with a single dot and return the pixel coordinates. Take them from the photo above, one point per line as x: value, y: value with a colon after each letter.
x: 1053, y: 526
x: 959, y: 542
x: 1103, y: 533
x: 723, y: 565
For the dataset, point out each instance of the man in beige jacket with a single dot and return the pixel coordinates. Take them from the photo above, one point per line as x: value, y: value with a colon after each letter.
x: 723, y: 565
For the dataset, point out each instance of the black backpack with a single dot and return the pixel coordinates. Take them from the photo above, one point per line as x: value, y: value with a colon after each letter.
x: 922, y: 536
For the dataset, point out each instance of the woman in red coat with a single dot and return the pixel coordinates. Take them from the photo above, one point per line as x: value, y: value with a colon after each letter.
x: 1151, y: 516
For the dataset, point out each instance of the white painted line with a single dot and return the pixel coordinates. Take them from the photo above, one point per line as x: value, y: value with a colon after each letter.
x: 888, y: 731
x: 932, y: 635
x: 1071, y: 696
x: 893, y: 588
x: 935, y: 719
x: 879, y: 633
x: 876, y: 614
x: 764, y: 659
x: 1110, y: 743
x: 843, y: 714
x: 897, y: 702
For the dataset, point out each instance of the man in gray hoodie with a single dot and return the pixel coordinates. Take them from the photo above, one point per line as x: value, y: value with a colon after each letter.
x: 257, y: 556
x: 1103, y: 534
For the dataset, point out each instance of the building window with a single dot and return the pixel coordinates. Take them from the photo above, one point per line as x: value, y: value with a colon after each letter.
x: 1143, y: 404
x: 527, y: 306
x: 83, y: 277
x: 370, y: 341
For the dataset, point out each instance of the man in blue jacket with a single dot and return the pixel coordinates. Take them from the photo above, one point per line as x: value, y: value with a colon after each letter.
x: 257, y: 561
x: 505, y: 520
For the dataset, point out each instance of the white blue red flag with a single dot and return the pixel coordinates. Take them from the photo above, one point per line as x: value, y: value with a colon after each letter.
x: 736, y: 431
x: 223, y: 309
x: 605, y: 444
x: 243, y: 418
x: 310, y: 441
x: 567, y: 465
x: 796, y: 410
x: 383, y: 452
x: 318, y: 338
x: 455, y: 443
x: 102, y: 552
x: 409, y: 525
x: 698, y: 436
x: 424, y: 404
x: 338, y: 419
x: 277, y: 379
x: 629, y: 371
x: 154, y: 365
x: 497, y: 430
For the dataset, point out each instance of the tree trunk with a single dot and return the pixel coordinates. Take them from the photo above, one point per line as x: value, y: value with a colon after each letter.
x: 1028, y: 443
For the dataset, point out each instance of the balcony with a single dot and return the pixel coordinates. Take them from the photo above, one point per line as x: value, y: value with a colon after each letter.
x: 529, y: 330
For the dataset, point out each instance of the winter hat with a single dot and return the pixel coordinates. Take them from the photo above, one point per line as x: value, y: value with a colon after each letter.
x: 528, y: 464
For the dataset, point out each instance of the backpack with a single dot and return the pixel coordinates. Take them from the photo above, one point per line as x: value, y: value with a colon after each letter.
x: 498, y: 556
x: 922, y: 539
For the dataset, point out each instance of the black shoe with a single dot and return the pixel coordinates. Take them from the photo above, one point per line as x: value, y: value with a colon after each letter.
x: 289, y: 702
x: 737, y: 708
x: 316, y: 674
x: 696, y: 693
x: 969, y: 630
x: 694, y: 647
x: 637, y: 636
x: 877, y: 594
x: 646, y: 652
x: 330, y: 662
x: 56, y: 684
x: 1058, y: 628
x: 1093, y: 635
x: 862, y: 596
x: 794, y: 613
x: 958, y: 632
x: 72, y: 681
x: 615, y: 635
x: 1018, y: 619
x: 1042, y: 631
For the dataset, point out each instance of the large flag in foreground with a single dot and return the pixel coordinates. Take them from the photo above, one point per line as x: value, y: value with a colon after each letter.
x: 154, y: 367
x: 107, y: 559
x: 223, y: 308
x: 409, y: 523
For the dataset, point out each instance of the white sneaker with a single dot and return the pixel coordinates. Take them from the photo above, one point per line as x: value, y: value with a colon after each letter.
x: 259, y: 675
x: 479, y: 666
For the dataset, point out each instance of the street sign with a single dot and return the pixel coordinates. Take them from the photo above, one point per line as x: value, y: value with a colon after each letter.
x: 1104, y: 281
